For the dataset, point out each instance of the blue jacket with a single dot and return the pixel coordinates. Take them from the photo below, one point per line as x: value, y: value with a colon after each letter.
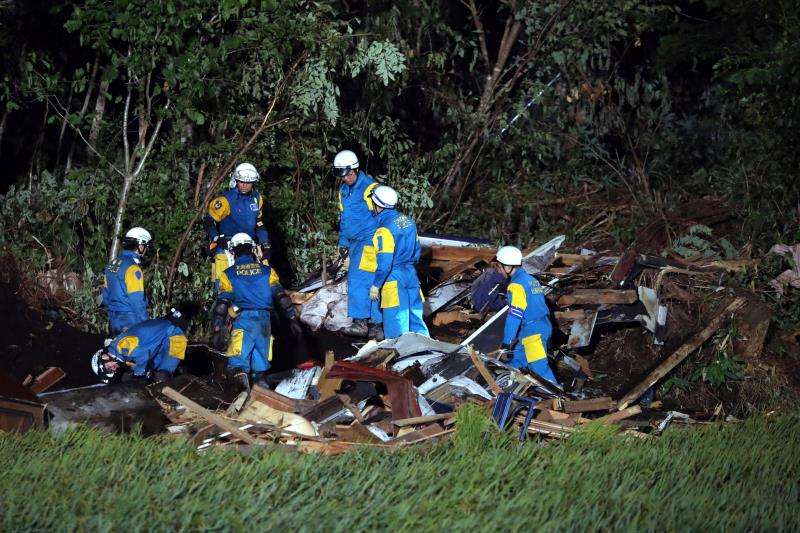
x: 356, y: 221
x: 123, y: 285
x: 147, y: 343
x: 528, y: 313
x: 233, y: 213
x: 249, y: 285
x: 396, y: 243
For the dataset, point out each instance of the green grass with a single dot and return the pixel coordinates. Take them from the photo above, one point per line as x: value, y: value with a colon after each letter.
x: 737, y: 476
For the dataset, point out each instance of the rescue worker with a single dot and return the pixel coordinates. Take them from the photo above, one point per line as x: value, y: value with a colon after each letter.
x: 527, y: 329
x: 151, y: 349
x: 123, y: 283
x: 247, y: 291
x: 238, y: 210
x: 357, y: 224
x: 395, y: 283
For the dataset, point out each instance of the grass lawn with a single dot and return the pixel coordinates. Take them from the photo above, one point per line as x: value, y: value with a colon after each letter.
x: 740, y: 476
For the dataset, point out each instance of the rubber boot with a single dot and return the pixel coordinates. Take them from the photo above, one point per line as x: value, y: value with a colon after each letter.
x: 375, y: 332
x: 160, y: 376
x: 260, y: 379
x: 358, y: 328
x: 240, y: 380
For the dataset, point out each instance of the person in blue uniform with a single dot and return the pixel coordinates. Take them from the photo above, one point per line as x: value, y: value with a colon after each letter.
x: 357, y: 224
x: 247, y: 291
x: 152, y: 349
x: 527, y: 330
x: 122, y: 283
x: 238, y: 210
x: 395, y: 283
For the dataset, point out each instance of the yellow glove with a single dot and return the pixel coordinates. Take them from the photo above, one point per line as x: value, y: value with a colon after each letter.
x: 374, y: 293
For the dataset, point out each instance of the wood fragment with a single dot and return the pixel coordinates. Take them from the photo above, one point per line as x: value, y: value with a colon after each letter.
x: 620, y: 415
x: 603, y: 403
x: 213, y: 418
x: 47, y: 379
x: 273, y: 399
x: 328, y: 386
x: 457, y: 253
x: 487, y: 376
x: 680, y: 354
x: 597, y: 297
x: 422, y: 419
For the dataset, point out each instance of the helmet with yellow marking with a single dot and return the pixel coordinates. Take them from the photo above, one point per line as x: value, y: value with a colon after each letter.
x: 384, y: 196
x: 509, y: 255
x: 246, y: 173
x: 344, y: 162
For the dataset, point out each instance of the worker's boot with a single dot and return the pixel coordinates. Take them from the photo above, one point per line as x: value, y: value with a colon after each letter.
x: 240, y: 380
x: 375, y: 331
x: 260, y: 379
x: 160, y: 376
x: 358, y: 328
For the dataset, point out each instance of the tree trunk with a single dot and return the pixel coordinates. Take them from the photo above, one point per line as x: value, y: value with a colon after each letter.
x: 123, y: 201
x: 99, y: 109
x: 84, y: 107
x: 3, y: 127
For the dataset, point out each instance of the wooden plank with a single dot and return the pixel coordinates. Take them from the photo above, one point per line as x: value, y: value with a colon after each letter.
x: 572, y: 259
x: 419, y: 435
x: 213, y: 418
x: 47, y: 379
x: 458, y: 269
x: 273, y: 399
x: 680, y: 354
x: 487, y: 376
x: 620, y: 415
x: 603, y: 403
x: 422, y: 419
x: 457, y: 253
x: 328, y: 386
x: 597, y: 297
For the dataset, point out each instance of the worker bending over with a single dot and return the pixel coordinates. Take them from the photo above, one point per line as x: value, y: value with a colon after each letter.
x: 395, y: 283
x: 247, y: 291
x: 357, y: 224
x: 123, y: 283
x: 151, y: 350
x: 238, y: 210
x: 527, y: 329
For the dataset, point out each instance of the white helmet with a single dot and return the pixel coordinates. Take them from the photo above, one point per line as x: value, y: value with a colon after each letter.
x: 344, y: 162
x: 240, y: 239
x: 384, y: 196
x: 509, y: 255
x: 246, y: 173
x: 140, y: 235
x: 99, y: 359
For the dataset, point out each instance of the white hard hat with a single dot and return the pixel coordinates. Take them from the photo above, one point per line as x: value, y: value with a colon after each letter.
x: 240, y: 239
x: 509, y: 255
x: 140, y: 235
x: 246, y: 173
x: 384, y: 196
x: 345, y: 161
x: 99, y: 367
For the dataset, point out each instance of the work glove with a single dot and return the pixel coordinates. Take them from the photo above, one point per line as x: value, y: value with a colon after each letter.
x: 504, y: 353
x: 266, y: 251
x: 374, y: 293
x: 219, y: 244
x: 296, y: 328
x: 343, y: 253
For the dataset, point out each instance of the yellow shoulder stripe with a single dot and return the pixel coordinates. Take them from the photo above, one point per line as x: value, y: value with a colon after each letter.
x: 273, y: 277
x: 134, y: 280
x: 219, y: 208
x: 518, y: 298
x: 225, y: 284
x: 177, y: 346
x: 383, y: 241
x: 127, y: 344
x: 368, y: 196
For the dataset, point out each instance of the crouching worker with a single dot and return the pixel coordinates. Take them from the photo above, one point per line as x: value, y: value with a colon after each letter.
x: 247, y: 291
x: 527, y: 329
x: 123, y: 283
x: 150, y: 350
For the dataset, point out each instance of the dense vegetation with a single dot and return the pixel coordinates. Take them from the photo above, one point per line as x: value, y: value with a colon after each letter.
x: 739, y: 477
x: 122, y: 112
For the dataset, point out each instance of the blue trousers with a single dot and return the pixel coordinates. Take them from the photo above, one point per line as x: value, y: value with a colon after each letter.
x: 165, y: 363
x: 120, y: 321
x: 250, y: 347
x: 401, y: 303
x: 531, y: 352
x: 360, y: 275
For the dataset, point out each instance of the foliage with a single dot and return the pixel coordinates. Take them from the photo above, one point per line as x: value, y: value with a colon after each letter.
x: 735, y: 476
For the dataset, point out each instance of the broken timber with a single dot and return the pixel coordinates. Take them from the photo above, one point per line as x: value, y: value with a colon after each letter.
x: 680, y: 354
x: 211, y: 417
x: 487, y: 376
x: 598, y: 296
